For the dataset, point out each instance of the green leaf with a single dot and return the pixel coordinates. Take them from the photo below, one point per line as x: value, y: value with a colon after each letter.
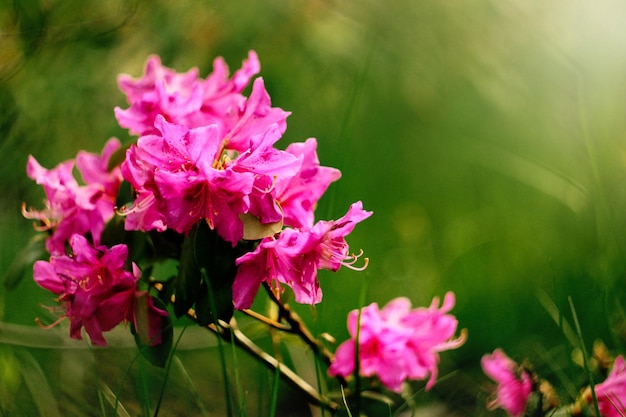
x: 253, y: 229
x: 223, y: 298
x: 157, y: 354
x: 205, y: 250
x: 112, y: 399
x: 114, y: 232
x: 189, y: 279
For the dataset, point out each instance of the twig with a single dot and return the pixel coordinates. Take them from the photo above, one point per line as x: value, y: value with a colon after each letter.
x: 266, y: 320
x: 230, y: 333
x: 299, y: 328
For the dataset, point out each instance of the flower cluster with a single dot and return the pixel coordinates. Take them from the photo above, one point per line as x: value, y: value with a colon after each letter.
x: 72, y: 208
x: 398, y: 343
x: 209, y: 154
x: 205, y: 154
x: 97, y: 292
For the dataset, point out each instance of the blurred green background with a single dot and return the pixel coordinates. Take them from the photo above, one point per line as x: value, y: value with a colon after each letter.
x: 488, y: 137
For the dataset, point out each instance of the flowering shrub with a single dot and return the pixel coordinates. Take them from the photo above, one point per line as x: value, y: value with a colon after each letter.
x: 204, y: 186
x: 211, y: 191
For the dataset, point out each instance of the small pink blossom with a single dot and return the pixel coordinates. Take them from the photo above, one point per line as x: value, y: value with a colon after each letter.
x: 72, y: 208
x: 611, y: 394
x: 398, y: 343
x: 97, y: 292
x: 293, y: 258
x: 514, y: 384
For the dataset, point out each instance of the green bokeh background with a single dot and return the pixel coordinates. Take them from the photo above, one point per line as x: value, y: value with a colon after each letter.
x: 488, y: 137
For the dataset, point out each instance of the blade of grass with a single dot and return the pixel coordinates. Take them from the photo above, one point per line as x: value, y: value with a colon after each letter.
x: 35, y: 380
x: 357, y: 351
x: 274, y: 397
x: 585, y: 356
x: 190, y: 383
x: 603, y: 208
x: 555, y: 313
x: 144, y: 387
x: 321, y: 386
x: 220, y: 347
x: 231, y: 333
x: 360, y: 79
x: 97, y: 378
x: 240, y: 391
x: 167, y: 372
x: 343, y: 396
x: 120, y: 410
x: 124, y: 377
x: 297, y: 326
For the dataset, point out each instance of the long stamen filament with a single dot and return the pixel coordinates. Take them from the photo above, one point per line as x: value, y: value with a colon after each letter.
x: 51, y: 325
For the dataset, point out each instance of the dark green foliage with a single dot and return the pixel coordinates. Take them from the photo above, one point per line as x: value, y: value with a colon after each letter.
x: 203, y: 249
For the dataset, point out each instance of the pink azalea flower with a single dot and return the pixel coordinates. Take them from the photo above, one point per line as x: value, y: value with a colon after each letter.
x: 611, y: 394
x: 434, y: 331
x: 514, y: 385
x: 252, y: 118
x: 184, y: 175
x: 325, y: 242
x: 72, y: 208
x: 160, y: 91
x: 299, y: 194
x: 97, y: 292
x: 187, y: 100
x: 274, y: 260
x: 293, y: 258
x: 398, y: 343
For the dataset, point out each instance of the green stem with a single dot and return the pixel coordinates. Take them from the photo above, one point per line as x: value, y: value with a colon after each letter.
x: 585, y: 357
x: 168, y: 366
x: 220, y: 346
x: 275, y: 392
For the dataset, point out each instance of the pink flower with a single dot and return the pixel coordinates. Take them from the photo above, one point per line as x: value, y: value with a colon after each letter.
x: 611, y: 394
x: 398, y: 343
x: 299, y: 194
x: 187, y: 100
x: 161, y: 90
x: 293, y: 258
x: 72, y: 208
x: 514, y: 384
x: 325, y: 244
x: 183, y: 175
x: 97, y: 292
x: 252, y: 118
